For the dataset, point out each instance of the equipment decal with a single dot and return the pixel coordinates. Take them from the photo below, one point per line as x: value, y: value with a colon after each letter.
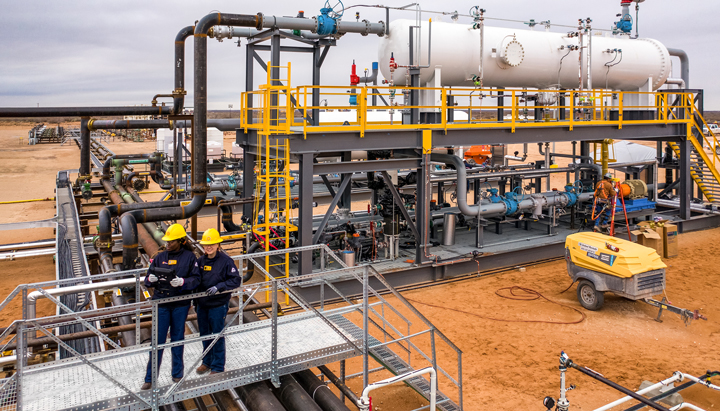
x: 603, y: 258
x: 588, y: 248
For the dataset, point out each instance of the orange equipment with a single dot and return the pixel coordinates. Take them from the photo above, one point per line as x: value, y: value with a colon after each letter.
x: 479, y: 154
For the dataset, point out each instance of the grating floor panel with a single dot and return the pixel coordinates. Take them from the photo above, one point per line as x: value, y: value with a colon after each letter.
x: 70, y: 384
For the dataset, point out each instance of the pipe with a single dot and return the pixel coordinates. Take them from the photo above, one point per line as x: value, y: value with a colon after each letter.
x: 500, y: 207
x: 684, y: 64
x: 319, y: 392
x: 179, y: 91
x: 258, y: 397
x: 680, y: 82
x: 82, y: 111
x: 364, y: 403
x: 128, y: 337
x: 616, y: 386
x: 339, y: 384
x: 129, y: 229
x: 127, y: 124
x: 84, y: 150
x: 293, y: 396
x: 677, y: 376
x: 697, y: 380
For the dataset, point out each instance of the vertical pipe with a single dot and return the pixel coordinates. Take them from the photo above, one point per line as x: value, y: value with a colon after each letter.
x: 84, y: 148
x: 275, y: 77
x: 316, y: 82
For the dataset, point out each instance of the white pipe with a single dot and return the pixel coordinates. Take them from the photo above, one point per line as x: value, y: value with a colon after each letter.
x: 677, y: 376
x: 33, y: 296
x: 680, y: 82
x: 686, y: 405
x: 701, y: 382
x: 364, y: 401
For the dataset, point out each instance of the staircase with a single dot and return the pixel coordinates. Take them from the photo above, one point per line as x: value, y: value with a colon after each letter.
x: 703, y: 165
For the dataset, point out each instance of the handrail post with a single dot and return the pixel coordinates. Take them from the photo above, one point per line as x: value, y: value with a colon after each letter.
x: 138, y: 338
x: 21, y: 352
x: 572, y: 109
x: 365, y: 326
x: 514, y: 108
x: 620, y: 110
x: 154, y: 354
x: 274, y: 377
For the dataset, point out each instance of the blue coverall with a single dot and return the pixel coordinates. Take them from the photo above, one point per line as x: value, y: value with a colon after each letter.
x: 217, y: 272
x: 172, y: 316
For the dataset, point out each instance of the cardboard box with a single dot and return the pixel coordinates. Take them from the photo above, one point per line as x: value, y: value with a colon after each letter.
x: 648, y: 237
x: 670, y: 239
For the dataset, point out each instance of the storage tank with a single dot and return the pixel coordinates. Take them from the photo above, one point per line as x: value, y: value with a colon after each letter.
x: 525, y: 58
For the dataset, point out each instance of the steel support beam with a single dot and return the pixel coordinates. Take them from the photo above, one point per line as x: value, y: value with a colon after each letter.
x: 366, y: 166
x: 331, y: 209
x: 305, y: 215
x: 685, y: 190
x: 401, y: 206
x: 346, y: 192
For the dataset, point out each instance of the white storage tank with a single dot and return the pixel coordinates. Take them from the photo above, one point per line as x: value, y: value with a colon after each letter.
x: 163, y: 134
x: 214, y: 143
x: 525, y: 58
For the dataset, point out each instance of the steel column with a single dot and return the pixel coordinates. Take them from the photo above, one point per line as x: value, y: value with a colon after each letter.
x: 422, y: 209
x: 316, y: 82
x: 305, y: 215
x: 685, y: 190
x: 346, y: 193
x: 398, y: 200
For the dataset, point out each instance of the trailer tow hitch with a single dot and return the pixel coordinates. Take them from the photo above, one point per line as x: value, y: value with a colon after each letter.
x: 686, y: 315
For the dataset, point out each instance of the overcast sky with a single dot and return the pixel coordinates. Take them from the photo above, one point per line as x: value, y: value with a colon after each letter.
x: 83, y: 53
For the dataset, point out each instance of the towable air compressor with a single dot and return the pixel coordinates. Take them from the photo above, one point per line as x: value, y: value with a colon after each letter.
x: 601, y: 263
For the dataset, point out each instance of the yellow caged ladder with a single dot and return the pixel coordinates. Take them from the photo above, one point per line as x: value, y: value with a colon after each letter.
x: 703, y: 166
x: 272, y: 225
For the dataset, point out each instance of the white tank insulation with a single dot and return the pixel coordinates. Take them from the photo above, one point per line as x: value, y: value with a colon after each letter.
x: 525, y: 58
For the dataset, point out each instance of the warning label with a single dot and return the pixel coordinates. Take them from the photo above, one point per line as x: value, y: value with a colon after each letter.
x: 588, y: 248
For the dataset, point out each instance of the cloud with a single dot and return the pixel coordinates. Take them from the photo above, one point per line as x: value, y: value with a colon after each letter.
x: 112, y: 53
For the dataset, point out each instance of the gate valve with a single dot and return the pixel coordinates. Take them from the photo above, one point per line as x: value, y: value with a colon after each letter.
x: 354, y: 79
x: 393, y: 64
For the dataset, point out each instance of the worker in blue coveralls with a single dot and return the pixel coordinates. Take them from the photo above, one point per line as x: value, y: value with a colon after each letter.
x: 217, y: 274
x: 172, y: 273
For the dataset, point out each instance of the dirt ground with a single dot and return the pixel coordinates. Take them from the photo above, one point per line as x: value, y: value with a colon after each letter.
x: 506, y: 365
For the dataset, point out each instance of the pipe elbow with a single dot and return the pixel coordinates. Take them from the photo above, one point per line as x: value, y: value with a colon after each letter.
x: 206, y: 23
x: 184, y: 33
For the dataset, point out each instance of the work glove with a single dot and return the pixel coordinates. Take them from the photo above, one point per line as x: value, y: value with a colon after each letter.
x: 152, y: 278
x: 177, y: 282
x: 212, y: 290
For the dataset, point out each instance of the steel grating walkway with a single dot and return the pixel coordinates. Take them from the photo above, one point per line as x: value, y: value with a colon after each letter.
x: 393, y: 363
x: 304, y: 340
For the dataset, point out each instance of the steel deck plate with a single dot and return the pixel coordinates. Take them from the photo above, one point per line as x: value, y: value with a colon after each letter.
x: 304, y: 340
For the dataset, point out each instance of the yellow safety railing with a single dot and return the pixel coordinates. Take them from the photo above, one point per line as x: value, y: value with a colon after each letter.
x: 478, y: 107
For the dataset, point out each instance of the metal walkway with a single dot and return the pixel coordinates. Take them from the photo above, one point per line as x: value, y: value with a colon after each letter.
x: 303, y: 337
x: 304, y: 341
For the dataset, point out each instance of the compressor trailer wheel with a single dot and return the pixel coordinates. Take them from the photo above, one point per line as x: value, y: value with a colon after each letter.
x: 589, y: 297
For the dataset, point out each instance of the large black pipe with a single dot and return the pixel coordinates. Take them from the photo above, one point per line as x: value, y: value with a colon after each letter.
x: 320, y: 392
x: 127, y: 124
x: 82, y: 111
x: 200, y: 94
x: 258, y: 397
x: 618, y: 387
x: 84, y: 149
x: 227, y: 219
x: 128, y: 227
x: 179, y: 92
x: 293, y: 396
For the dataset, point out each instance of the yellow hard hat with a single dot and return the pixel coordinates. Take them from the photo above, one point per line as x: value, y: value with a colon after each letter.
x: 174, y: 232
x: 211, y: 236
